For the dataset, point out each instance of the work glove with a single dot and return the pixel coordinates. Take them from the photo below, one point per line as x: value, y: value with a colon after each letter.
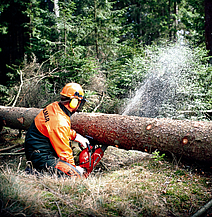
x: 82, y: 140
x: 80, y: 170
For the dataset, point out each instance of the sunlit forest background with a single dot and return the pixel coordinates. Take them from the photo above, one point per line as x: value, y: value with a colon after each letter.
x: 111, y: 48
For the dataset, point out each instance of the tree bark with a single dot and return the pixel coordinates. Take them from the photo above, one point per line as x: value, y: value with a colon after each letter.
x: 56, y: 8
x: 17, y: 117
x: 189, y: 139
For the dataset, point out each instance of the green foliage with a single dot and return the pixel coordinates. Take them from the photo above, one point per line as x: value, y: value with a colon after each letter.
x: 125, y: 74
x: 157, y: 157
x: 197, y: 86
x: 191, y: 15
x: 92, y: 39
x: 3, y: 93
x: 3, y: 25
x: 74, y: 68
x: 42, y: 30
x: 150, y: 20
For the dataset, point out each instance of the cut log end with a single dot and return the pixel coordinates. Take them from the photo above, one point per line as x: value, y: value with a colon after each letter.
x: 185, y: 141
x: 149, y: 127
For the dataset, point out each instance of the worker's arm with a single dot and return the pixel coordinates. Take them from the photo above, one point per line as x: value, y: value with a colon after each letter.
x: 59, y: 138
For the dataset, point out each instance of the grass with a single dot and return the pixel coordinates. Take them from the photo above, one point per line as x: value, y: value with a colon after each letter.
x: 134, y: 184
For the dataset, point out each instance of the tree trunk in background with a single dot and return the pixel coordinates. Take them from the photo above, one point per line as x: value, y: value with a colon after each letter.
x: 56, y: 8
x: 12, y: 43
x: 50, y: 5
x: 190, y: 139
x: 139, y: 20
x: 208, y: 26
x: 175, y: 20
x: 96, y: 29
x: 169, y: 20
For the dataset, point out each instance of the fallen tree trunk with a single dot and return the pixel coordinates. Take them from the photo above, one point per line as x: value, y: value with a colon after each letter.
x: 17, y: 117
x: 190, y: 139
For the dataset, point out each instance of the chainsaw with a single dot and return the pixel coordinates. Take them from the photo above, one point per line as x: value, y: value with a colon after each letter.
x: 90, y: 156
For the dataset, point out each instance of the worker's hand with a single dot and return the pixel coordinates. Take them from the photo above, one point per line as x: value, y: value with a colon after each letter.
x: 82, y: 140
x: 80, y: 169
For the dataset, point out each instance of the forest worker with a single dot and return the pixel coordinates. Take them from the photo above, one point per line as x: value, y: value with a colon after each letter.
x: 47, y: 140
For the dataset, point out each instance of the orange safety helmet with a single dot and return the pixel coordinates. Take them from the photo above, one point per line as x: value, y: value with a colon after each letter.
x: 75, y: 92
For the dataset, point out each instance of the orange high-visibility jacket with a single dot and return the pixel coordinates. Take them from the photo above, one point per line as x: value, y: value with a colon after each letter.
x: 53, y: 123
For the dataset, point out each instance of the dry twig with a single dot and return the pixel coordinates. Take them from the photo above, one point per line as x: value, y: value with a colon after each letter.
x: 19, y: 91
x: 203, y: 209
x: 102, y: 97
x: 7, y: 154
x: 10, y: 147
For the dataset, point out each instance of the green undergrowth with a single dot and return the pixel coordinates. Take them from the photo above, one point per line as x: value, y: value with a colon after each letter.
x: 133, y: 184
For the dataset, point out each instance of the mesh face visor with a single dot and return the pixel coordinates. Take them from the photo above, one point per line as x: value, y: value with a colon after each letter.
x: 82, y: 103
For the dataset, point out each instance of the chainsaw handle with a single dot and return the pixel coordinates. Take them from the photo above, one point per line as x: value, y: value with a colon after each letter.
x: 89, y: 137
x: 89, y: 148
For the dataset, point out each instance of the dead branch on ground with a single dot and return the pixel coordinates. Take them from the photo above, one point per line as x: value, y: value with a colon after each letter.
x: 8, y: 154
x: 10, y: 147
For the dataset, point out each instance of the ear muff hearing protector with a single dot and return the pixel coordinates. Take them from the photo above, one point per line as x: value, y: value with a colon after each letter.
x: 74, y: 103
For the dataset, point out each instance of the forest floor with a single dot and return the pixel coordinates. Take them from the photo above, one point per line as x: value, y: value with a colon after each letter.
x: 126, y: 183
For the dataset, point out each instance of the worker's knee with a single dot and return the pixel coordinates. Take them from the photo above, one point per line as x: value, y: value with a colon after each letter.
x: 68, y: 169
